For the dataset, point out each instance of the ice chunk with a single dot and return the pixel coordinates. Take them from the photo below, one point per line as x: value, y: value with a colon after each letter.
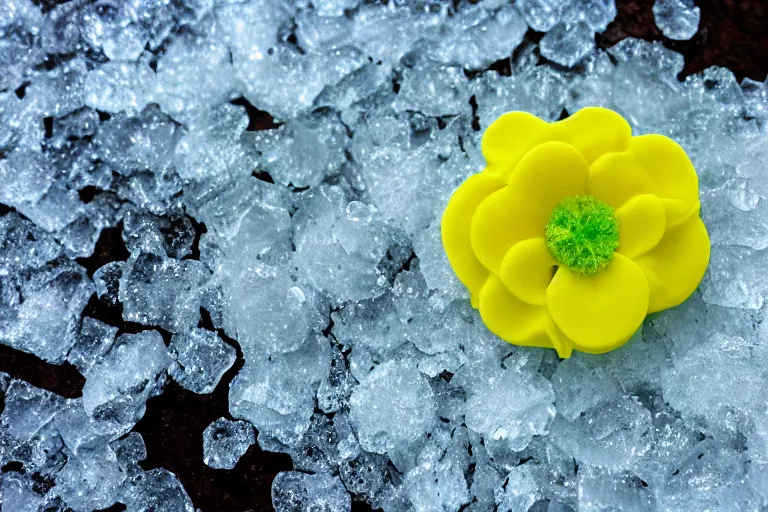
x: 276, y: 393
x: 200, y: 360
x: 613, y: 435
x: 602, y: 490
x: 339, y: 245
x: 325, y: 445
x: 294, y: 491
x: 717, y: 378
x: 172, y: 235
x: 27, y: 177
x: 287, y: 316
x: 77, y: 429
x: 334, y: 390
x: 163, y: 292
x: 433, y: 89
x: 93, y: 341
x: 506, y: 404
x: 225, y: 441
x: 117, y: 388
x: 568, y: 44
x: 91, y: 480
x: 542, y: 15
x: 27, y: 410
x: 711, y: 478
x: 677, y: 19
x: 735, y: 278
x: 476, y: 37
x: 130, y: 450
x: 41, y: 317
x: 302, y: 152
x: 157, y: 490
x: 23, y: 245
x: 404, y: 419
x: 364, y: 475
x: 580, y: 386
x: 115, y: 87
x: 19, y: 495
x: 519, y: 490
x: 436, y: 483
x: 434, y: 265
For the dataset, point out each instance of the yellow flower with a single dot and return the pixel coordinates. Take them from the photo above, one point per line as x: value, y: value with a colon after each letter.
x: 576, y: 230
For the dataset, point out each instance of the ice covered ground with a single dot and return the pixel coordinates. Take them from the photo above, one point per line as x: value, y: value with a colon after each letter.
x: 321, y: 256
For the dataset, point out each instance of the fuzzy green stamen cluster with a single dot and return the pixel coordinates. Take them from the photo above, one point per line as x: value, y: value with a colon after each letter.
x: 582, y: 234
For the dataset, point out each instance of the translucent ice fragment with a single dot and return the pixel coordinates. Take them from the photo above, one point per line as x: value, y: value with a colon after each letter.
x: 225, y: 441
x: 294, y: 491
x: 568, y: 44
x: 200, y: 360
x: 677, y: 19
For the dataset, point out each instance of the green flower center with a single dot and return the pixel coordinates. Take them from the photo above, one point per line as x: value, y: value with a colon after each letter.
x: 582, y: 234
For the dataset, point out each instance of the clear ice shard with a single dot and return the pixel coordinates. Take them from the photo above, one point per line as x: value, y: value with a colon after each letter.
x: 677, y: 19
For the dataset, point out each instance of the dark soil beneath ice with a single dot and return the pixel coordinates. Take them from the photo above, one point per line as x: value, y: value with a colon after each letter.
x: 732, y: 34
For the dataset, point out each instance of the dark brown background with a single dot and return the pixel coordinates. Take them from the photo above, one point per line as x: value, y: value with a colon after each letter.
x: 732, y: 33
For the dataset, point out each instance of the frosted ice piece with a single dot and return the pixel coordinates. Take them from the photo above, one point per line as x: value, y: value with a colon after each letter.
x: 542, y: 15
x: 45, y: 323
x: 364, y: 475
x: 172, y: 235
x: 404, y: 419
x: 580, y: 386
x: 287, y: 316
x: 163, y: 292
x: 371, y: 324
x: 325, y: 445
x: 597, y: 14
x: 91, y: 480
x: 294, y: 491
x: 735, y: 278
x: 93, y: 341
x: 677, y: 19
x: 201, y: 358
x: 339, y: 246
x: 26, y: 175
x: 277, y: 393
x: 602, y: 490
x: 28, y: 409
x: 157, y: 490
x: 436, y: 485
x: 107, y: 282
x: 356, y: 87
x: 302, y: 152
x: 194, y: 74
x: 130, y: 450
x: 225, y: 441
x: 568, y: 44
x: 77, y: 429
x: 117, y: 388
x: 519, y: 490
x: 212, y: 151
x: 477, y: 37
x: 433, y: 90
x: 716, y: 378
x: 23, y: 245
x: 522, y: 408
x: 115, y: 87
x: 712, y: 477
x: 336, y: 387
x: 19, y: 495
x: 334, y: 7
x: 612, y: 435
x: 434, y: 266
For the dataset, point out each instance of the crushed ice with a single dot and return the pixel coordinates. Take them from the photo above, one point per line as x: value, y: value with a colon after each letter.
x: 315, y: 245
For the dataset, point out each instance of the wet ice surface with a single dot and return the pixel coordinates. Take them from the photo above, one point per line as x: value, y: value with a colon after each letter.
x: 321, y: 256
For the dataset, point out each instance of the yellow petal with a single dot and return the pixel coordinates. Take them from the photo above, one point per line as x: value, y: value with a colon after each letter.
x: 653, y: 164
x: 512, y: 319
x: 527, y: 269
x: 593, y: 131
x: 676, y: 266
x: 547, y: 174
x: 502, y: 220
x: 642, y: 221
x: 511, y: 136
x: 455, y: 229
x: 599, y: 312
